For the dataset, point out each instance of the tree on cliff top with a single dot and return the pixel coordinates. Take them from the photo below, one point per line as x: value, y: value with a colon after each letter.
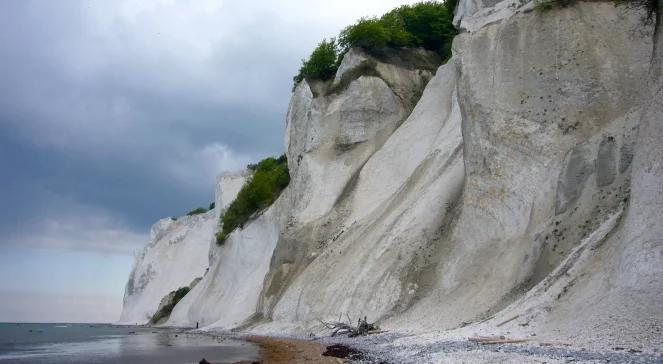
x: 425, y: 25
x: 322, y: 64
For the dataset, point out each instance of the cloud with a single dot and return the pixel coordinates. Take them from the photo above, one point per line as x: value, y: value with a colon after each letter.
x: 133, y: 107
x: 98, y: 73
x: 116, y: 76
x: 62, y: 308
x: 199, y: 166
x: 78, y: 228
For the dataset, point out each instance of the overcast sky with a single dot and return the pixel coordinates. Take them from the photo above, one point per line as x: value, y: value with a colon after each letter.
x: 114, y: 114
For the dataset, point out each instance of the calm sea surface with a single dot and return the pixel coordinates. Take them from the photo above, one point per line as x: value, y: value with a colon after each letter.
x: 92, y: 343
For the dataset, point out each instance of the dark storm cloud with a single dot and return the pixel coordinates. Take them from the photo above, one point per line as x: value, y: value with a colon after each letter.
x: 113, y: 115
x: 116, y: 113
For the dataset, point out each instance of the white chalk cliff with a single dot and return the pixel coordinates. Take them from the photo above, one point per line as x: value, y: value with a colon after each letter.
x: 523, y: 178
x: 177, y: 254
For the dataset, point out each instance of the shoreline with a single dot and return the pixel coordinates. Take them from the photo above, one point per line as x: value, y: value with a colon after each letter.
x: 409, y: 348
x: 285, y: 349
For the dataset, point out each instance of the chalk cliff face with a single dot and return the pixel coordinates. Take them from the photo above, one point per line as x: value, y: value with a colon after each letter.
x: 332, y: 131
x: 523, y: 178
x: 175, y: 256
x: 356, y: 257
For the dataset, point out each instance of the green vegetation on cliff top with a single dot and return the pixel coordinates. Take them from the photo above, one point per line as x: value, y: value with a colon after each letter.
x: 197, y: 211
x: 270, y: 177
x: 425, y: 25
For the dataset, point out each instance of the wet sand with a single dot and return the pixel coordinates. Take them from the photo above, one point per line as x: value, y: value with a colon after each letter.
x: 281, y: 350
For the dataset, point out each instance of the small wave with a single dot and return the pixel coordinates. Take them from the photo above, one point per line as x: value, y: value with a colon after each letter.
x: 23, y: 354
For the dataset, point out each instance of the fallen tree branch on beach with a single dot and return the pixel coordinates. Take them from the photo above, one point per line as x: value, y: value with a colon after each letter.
x: 488, y: 340
x: 507, y: 321
x: 503, y: 341
x: 545, y: 343
x: 363, y: 328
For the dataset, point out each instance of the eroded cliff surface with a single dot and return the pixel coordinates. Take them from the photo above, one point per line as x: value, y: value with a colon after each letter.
x: 333, y: 129
x: 550, y: 106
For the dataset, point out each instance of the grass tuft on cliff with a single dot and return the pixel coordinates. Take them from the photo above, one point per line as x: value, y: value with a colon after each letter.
x: 425, y: 25
x: 165, y: 311
x: 270, y: 177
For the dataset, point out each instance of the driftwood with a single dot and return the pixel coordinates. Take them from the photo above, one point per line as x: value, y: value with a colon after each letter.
x: 507, y: 321
x: 503, y: 341
x: 363, y: 328
x: 484, y: 338
x: 487, y: 340
x: 554, y: 344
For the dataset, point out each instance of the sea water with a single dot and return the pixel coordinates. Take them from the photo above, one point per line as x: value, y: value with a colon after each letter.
x: 99, y: 343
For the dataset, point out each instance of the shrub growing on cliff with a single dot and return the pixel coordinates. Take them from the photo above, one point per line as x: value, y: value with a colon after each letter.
x: 269, y: 178
x: 165, y: 311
